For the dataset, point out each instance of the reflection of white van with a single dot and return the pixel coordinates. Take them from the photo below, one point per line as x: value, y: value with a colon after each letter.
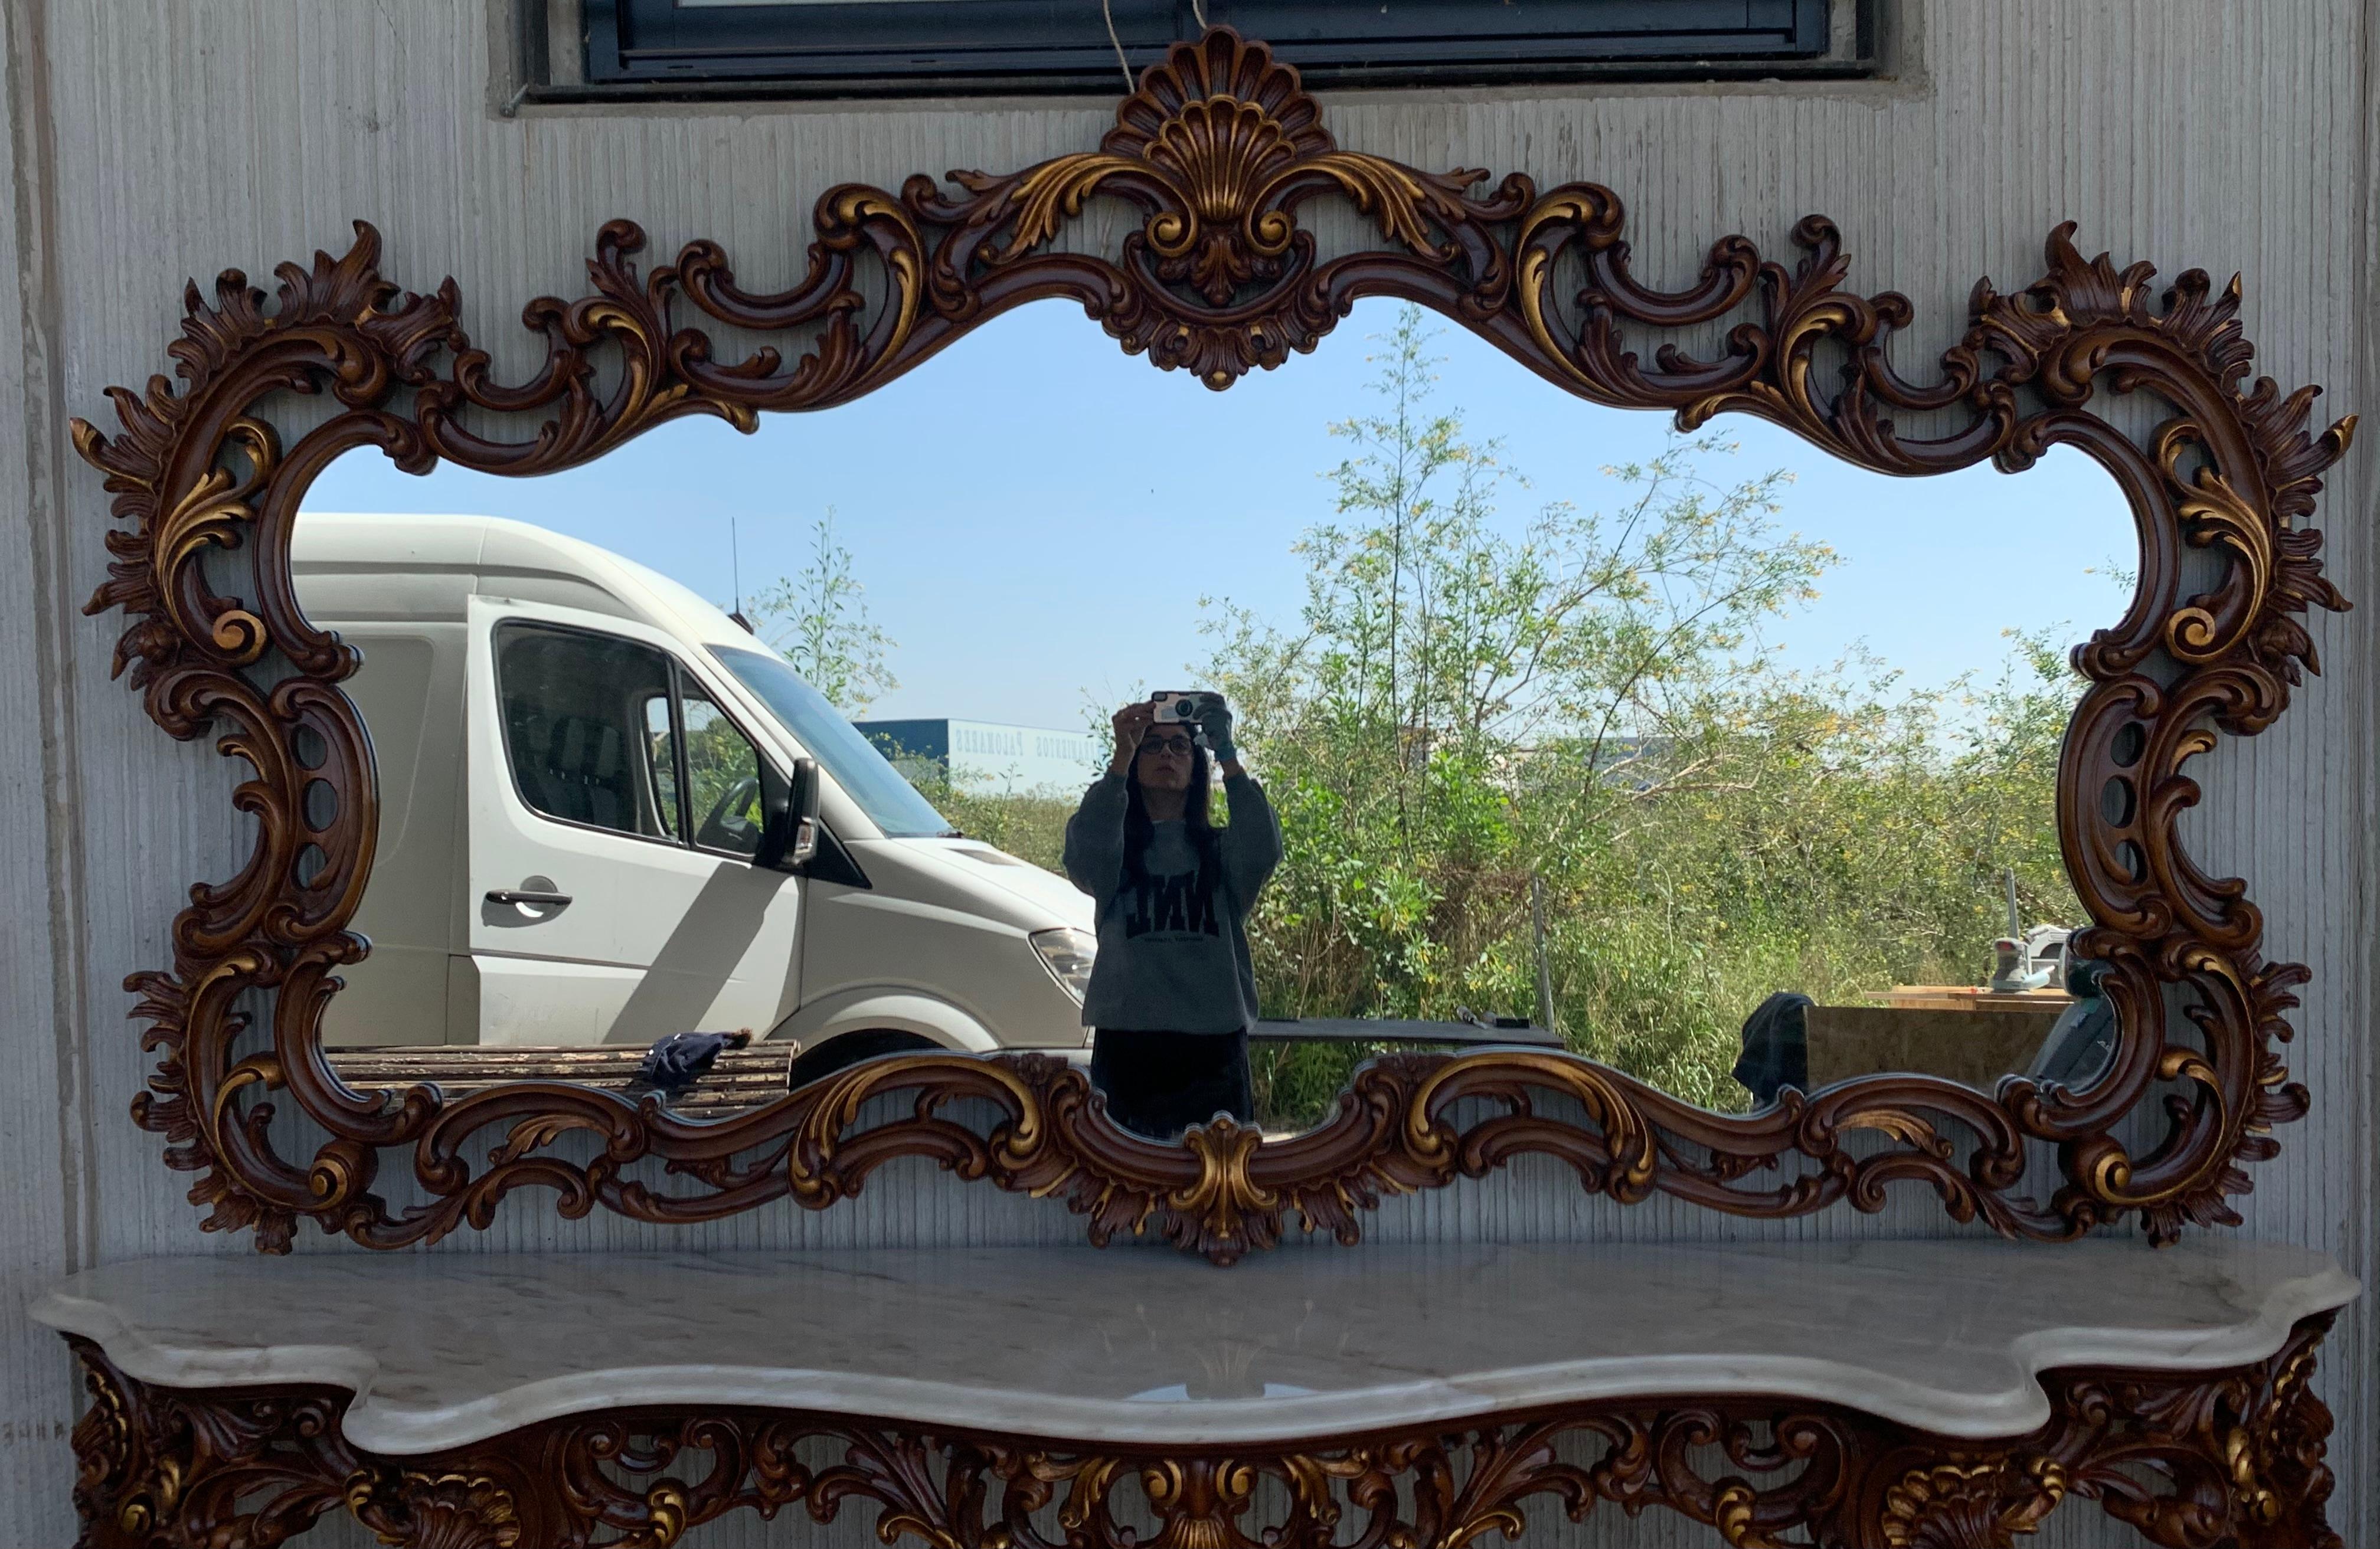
x: 608, y: 814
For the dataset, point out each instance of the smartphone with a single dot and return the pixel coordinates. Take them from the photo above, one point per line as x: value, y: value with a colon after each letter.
x: 1183, y: 704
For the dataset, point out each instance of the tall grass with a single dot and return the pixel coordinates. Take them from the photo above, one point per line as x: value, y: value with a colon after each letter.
x: 1851, y: 845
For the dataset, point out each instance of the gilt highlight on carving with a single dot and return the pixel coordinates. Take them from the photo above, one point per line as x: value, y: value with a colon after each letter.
x: 1219, y: 153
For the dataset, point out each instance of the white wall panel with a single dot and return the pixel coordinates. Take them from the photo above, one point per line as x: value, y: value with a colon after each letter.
x: 44, y: 1225
x: 152, y: 140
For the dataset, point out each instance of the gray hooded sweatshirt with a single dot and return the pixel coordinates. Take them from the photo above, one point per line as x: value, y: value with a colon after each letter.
x: 1173, y: 955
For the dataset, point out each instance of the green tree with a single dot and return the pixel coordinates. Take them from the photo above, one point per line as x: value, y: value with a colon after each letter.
x: 1459, y: 705
x: 818, y: 619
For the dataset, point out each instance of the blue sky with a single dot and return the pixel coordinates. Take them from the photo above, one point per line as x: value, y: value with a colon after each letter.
x: 1036, y: 515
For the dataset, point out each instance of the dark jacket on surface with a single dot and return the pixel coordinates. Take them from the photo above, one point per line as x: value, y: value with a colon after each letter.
x: 1776, y: 1046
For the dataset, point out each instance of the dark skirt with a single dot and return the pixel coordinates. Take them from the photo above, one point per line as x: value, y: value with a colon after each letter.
x: 1161, y: 1083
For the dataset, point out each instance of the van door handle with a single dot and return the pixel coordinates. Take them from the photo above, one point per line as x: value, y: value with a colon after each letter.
x: 518, y: 895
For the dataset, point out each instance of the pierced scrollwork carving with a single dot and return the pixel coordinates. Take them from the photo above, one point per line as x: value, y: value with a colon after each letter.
x: 244, y: 1470
x: 424, y: 1510
x: 2192, y: 1460
x: 1969, y: 1506
x: 1219, y: 151
x: 1219, y: 147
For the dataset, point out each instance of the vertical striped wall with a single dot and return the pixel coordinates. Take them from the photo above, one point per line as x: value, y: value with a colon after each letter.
x: 152, y: 140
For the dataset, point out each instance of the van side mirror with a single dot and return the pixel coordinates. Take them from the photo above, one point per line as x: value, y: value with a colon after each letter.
x: 789, y: 830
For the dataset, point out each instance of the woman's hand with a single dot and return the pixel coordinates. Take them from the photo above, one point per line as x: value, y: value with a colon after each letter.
x: 1131, y: 724
x: 1215, y: 724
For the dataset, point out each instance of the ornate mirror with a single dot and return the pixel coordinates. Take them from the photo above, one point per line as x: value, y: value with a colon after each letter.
x: 1763, y: 800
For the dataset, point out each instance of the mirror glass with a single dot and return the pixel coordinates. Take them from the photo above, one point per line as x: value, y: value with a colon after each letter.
x: 727, y: 760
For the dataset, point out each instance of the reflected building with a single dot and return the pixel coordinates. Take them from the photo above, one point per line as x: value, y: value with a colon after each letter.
x: 990, y: 756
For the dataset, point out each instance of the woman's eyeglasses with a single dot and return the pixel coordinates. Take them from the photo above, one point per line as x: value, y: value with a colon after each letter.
x: 1178, y: 746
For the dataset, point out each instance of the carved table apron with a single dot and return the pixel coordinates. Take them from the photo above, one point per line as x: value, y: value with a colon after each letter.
x: 1926, y: 1393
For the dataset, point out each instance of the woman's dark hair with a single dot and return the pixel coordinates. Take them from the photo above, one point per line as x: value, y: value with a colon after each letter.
x: 1138, y: 830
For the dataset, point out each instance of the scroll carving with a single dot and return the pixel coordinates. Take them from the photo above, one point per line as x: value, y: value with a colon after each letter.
x: 1220, y: 151
x: 158, y: 1467
x: 2191, y: 1461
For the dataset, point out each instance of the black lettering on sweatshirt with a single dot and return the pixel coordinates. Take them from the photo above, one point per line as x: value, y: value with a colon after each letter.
x: 1183, y: 903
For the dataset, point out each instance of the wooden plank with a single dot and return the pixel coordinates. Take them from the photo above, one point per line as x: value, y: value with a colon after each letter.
x: 738, y: 1078
x: 1976, y: 998
x: 1847, y: 1041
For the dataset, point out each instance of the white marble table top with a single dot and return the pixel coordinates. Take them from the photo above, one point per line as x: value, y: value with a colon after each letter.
x: 1144, y: 1345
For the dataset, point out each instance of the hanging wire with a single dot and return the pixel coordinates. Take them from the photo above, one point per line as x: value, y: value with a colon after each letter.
x: 1121, y: 64
x: 1199, y: 11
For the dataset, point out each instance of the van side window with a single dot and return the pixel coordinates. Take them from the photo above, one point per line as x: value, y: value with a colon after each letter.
x: 723, y: 774
x: 575, y: 727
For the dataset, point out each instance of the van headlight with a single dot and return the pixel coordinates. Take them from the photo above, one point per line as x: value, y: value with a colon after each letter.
x: 1067, y: 954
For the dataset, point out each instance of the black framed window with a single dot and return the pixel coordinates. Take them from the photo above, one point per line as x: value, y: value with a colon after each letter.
x: 952, y: 46
x: 579, y: 712
x: 610, y: 733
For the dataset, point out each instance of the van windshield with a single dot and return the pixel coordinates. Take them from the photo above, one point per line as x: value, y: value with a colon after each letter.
x: 891, y: 803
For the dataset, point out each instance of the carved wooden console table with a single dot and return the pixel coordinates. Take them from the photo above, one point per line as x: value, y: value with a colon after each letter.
x: 1878, y: 1394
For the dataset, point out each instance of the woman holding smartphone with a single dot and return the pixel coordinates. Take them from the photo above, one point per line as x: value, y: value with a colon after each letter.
x: 1172, y: 993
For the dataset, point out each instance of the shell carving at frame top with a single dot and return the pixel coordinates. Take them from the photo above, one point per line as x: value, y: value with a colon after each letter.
x: 1224, y: 123
x: 1218, y: 152
x: 1219, y: 145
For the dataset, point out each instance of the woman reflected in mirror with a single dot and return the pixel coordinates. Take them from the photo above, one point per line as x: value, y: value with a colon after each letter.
x: 1172, y: 992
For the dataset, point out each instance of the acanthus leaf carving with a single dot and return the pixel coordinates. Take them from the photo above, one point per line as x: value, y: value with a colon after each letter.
x: 1219, y: 152
x: 2191, y: 1459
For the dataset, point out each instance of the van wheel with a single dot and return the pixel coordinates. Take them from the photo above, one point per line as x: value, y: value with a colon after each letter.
x: 841, y: 1053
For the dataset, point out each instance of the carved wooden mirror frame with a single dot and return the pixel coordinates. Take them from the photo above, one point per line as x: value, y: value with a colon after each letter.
x: 1220, y: 151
